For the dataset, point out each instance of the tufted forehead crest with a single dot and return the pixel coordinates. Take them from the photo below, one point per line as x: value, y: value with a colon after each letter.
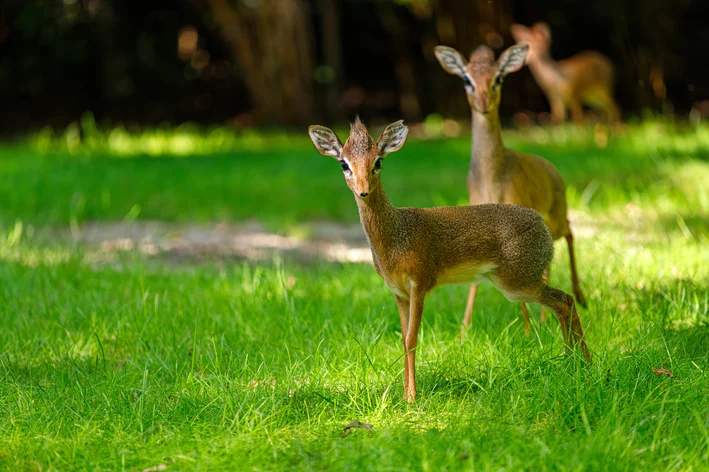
x: 483, y: 55
x: 359, y: 142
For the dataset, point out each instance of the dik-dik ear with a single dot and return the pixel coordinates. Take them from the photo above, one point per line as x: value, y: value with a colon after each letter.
x: 451, y: 60
x: 392, y: 138
x: 326, y: 142
x: 512, y: 59
x: 542, y: 31
x: 519, y: 32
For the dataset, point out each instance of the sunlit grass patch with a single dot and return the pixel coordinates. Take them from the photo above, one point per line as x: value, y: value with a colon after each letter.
x: 130, y: 360
x: 279, y: 179
x: 263, y: 365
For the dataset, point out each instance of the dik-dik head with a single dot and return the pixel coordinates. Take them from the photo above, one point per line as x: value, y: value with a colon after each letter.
x: 483, y: 75
x: 538, y: 36
x: 360, y: 158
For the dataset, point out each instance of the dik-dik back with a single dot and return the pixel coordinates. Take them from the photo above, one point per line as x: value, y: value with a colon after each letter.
x: 586, y: 78
x: 489, y: 233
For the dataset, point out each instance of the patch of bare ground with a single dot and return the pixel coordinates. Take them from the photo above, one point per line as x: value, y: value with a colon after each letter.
x: 325, y: 241
x: 315, y: 241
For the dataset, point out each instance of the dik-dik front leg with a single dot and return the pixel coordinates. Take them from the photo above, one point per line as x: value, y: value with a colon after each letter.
x: 403, y: 305
x: 410, y: 341
x: 468, y: 310
x: 558, y: 110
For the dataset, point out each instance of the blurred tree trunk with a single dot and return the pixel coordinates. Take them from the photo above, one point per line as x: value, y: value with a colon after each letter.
x: 272, y: 44
x: 332, y: 56
x: 404, y: 70
x: 110, y: 68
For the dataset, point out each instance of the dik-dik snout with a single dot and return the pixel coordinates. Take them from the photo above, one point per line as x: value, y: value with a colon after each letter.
x: 360, y: 158
x: 482, y: 76
x: 362, y: 176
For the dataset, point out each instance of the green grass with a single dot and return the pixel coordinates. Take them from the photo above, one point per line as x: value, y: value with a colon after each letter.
x: 142, y: 362
x: 190, y: 175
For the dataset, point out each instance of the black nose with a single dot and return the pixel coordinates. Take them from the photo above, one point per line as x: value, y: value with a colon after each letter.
x: 363, y: 194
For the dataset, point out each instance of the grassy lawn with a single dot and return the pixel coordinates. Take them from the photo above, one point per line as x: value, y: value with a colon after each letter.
x: 142, y: 363
x: 187, y: 175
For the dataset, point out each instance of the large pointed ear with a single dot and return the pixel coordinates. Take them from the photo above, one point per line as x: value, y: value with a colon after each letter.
x: 392, y: 138
x: 512, y: 59
x: 451, y: 60
x: 542, y: 31
x: 519, y: 32
x: 326, y: 142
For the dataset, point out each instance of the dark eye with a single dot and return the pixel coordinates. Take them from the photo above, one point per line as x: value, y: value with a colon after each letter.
x: 377, y: 165
x: 468, y: 82
x: 345, y: 167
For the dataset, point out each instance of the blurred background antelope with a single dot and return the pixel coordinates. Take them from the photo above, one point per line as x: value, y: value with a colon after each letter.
x: 586, y: 78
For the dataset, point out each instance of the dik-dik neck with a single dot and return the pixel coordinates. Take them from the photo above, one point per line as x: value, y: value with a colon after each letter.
x: 380, y: 219
x: 487, y: 160
x: 546, y: 71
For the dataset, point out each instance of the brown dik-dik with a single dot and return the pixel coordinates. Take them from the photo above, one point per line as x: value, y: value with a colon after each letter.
x: 417, y: 249
x: 498, y: 174
x: 586, y: 78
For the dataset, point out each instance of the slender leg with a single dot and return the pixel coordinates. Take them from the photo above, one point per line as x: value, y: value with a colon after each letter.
x: 574, y: 276
x: 468, y: 310
x: 558, y: 111
x: 543, y: 311
x: 415, y: 311
x: 525, y: 318
x: 564, y: 308
x: 404, y: 318
x: 576, y: 112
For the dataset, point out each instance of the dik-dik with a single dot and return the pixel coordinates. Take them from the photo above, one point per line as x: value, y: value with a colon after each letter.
x: 417, y: 249
x: 586, y: 78
x: 498, y: 174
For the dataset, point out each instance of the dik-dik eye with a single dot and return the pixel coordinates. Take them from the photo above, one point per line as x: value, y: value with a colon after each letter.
x: 468, y: 82
x: 498, y: 81
x: 345, y: 167
x: 377, y: 165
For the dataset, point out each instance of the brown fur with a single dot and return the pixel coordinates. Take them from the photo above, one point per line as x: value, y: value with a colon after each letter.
x: 501, y: 175
x: 417, y: 249
x: 586, y: 78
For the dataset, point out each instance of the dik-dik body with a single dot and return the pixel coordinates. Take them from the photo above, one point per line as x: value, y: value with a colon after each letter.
x: 417, y: 249
x: 498, y: 174
x: 586, y: 78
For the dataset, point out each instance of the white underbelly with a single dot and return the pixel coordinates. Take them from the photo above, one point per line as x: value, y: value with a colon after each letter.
x: 466, y: 273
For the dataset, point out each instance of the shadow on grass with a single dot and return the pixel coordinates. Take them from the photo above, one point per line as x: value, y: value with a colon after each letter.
x: 678, y: 312
x: 690, y: 225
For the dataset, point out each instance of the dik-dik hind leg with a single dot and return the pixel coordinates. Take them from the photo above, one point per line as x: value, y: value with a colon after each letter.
x: 543, y: 311
x: 574, y: 276
x: 403, y: 305
x: 564, y: 308
x: 468, y: 310
x: 410, y: 342
x: 525, y: 318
